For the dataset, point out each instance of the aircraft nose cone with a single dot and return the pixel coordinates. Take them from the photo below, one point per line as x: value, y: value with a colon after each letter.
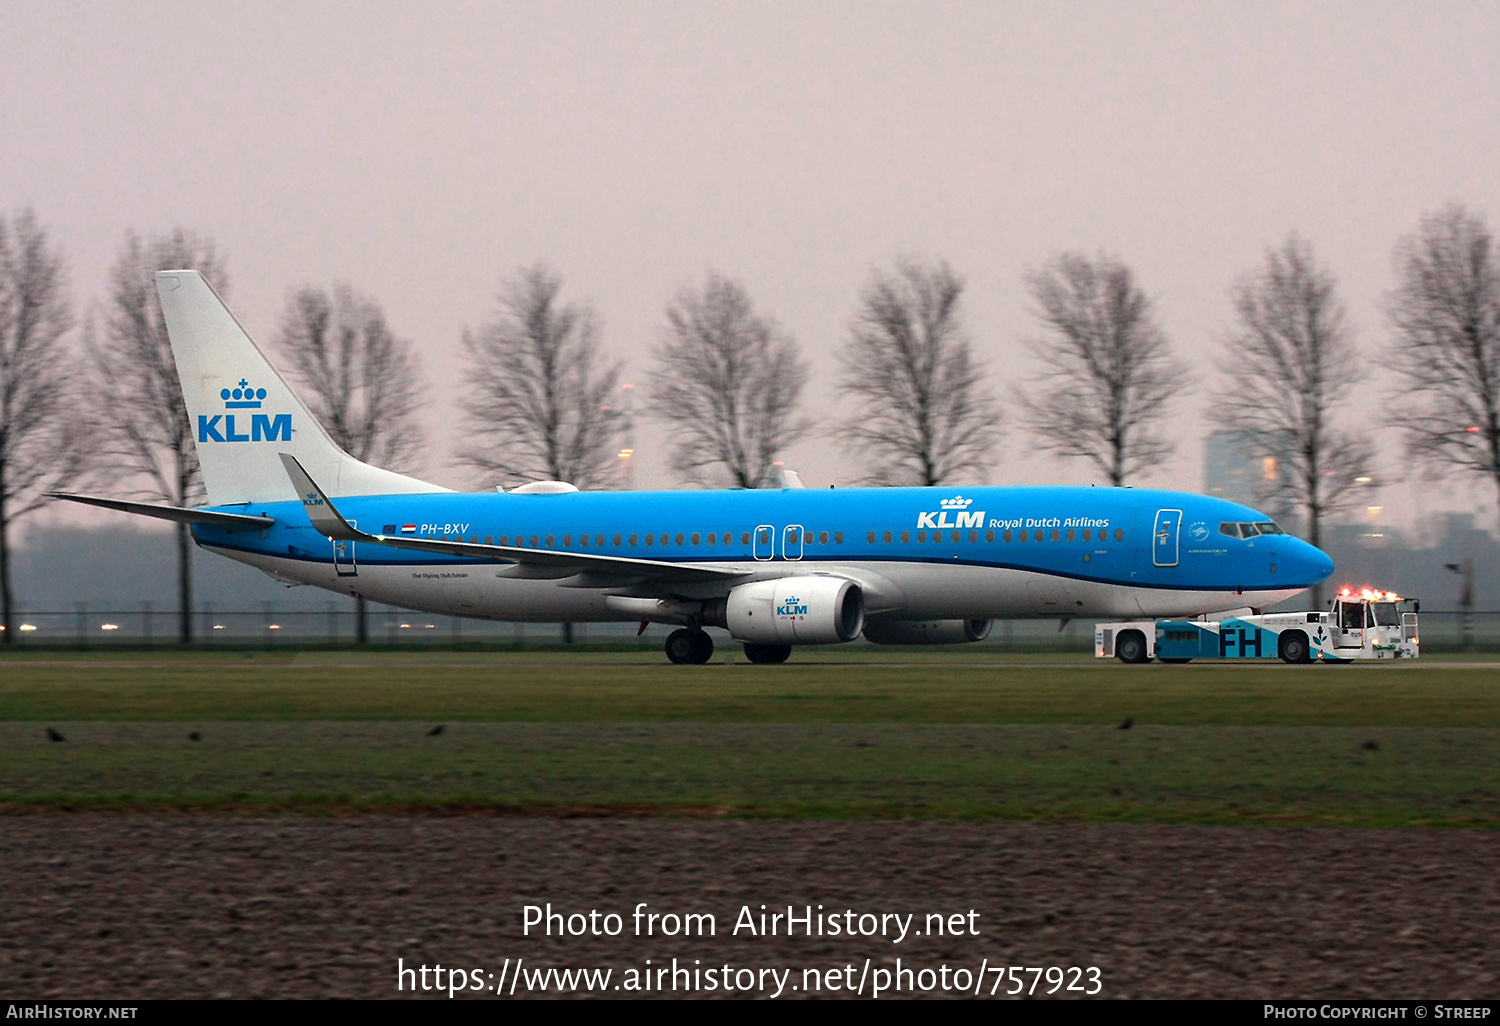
x: 1315, y: 564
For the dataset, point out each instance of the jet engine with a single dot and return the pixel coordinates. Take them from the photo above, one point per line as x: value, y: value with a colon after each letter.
x: 795, y: 611
x: 927, y: 632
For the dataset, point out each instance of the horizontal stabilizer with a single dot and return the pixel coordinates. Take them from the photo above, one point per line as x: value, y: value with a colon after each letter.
x: 180, y: 514
x: 544, y: 564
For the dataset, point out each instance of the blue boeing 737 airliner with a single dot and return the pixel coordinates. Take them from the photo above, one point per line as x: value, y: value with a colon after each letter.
x: 775, y: 568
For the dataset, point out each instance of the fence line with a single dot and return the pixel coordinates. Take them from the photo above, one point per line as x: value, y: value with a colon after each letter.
x: 269, y: 626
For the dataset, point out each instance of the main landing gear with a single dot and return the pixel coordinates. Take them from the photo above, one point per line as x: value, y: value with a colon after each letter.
x: 767, y: 653
x: 689, y: 646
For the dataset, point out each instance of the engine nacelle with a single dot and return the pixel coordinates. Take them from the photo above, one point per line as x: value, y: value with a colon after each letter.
x: 927, y: 632
x: 796, y: 611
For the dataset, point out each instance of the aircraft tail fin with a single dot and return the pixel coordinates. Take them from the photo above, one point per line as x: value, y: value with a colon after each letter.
x: 244, y: 415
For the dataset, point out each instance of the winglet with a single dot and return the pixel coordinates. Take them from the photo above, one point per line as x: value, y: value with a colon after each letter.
x: 329, y: 521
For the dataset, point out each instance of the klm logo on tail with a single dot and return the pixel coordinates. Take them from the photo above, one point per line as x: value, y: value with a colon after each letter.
x: 263, y: 427
x: 958, y: 506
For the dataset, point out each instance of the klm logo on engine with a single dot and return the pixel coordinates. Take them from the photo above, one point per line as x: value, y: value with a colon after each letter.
x: 955, y: 507
x: 790, y: 607
x: 262, y: 428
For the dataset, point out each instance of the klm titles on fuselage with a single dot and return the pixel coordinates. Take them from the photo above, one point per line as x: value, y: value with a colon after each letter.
x: 263, y: 427
x: 937, y: 520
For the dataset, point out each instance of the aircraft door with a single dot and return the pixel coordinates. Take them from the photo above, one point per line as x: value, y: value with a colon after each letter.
x: 791, y: 542
x: 343, y: 557
x: 765, y: 542
x: 1165, y: 535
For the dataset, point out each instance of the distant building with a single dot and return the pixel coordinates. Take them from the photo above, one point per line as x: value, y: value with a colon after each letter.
x: 1236, y: 467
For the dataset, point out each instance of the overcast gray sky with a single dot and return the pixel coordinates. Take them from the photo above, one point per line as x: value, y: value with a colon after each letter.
x: 423, y: 151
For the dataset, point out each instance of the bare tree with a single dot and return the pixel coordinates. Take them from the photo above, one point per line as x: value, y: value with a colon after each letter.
x: 1291, y: 356
x: 728, y: 381
x: 538, y: 389
x: 360, y: 380
x: 41, y: 447
x: 1446, y: 313
x: 151, y: 434
x: 926, y: 416
x: 1105, y: 382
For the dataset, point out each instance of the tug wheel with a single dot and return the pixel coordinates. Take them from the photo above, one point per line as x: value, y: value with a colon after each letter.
x: 1294, y: 647
x: 1130, y: 647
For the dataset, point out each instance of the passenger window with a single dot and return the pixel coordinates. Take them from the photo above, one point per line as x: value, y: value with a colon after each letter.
x: 567, y: 541
x: 679, y: 538
x: 617, y: 540
x: 921, y: 536
x: 728, y: 538
x: 696, y: 537
x: 534, y: 542
x: 870, y: 538
x: 822, y: 537
x: 650, y: 539
x: 989, y: 536
x: 599, y: 540
x: 765, y: 537
x: 489, y: 539
x: 838, y: 538
x: 957, y: 537
x: 633, y: 539
x: 1088, y: 534
x: 807, y: 538
x: 505, y: 539
x: 1056, y: 534
x: 664, y: 540
x: 973, y: 537
x: 583, y: 540
x: 905, y: 537
x: 1071, y: 534
x: 1119, y: 535
x: 887, y: 537
x: 551, y: 541
x: 713, y: 539
x: 1023, y: 536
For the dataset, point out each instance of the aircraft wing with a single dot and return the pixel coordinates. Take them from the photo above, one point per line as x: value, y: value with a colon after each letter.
x: 180, y: 514
x: 594, y: 571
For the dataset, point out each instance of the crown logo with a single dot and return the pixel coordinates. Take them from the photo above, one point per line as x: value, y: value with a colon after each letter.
x: 957, y: 502
x: 242, y: 396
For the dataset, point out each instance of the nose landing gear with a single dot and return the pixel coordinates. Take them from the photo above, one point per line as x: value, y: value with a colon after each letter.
x: 689, y: 646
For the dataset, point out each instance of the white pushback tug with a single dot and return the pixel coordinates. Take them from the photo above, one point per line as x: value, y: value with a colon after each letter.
x: 1364, y: 624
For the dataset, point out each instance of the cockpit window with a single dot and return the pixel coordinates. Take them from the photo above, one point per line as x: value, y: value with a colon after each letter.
x: 1266, y: 527
x: 1244, y: 530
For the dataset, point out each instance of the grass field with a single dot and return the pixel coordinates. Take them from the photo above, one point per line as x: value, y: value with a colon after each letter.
x: 926, y: 734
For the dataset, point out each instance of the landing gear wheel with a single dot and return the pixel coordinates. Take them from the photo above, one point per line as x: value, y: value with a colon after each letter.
x: 689, y: 646
x: 1294, y: 647
x: 1130, y: 647
x: 767, y: 653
